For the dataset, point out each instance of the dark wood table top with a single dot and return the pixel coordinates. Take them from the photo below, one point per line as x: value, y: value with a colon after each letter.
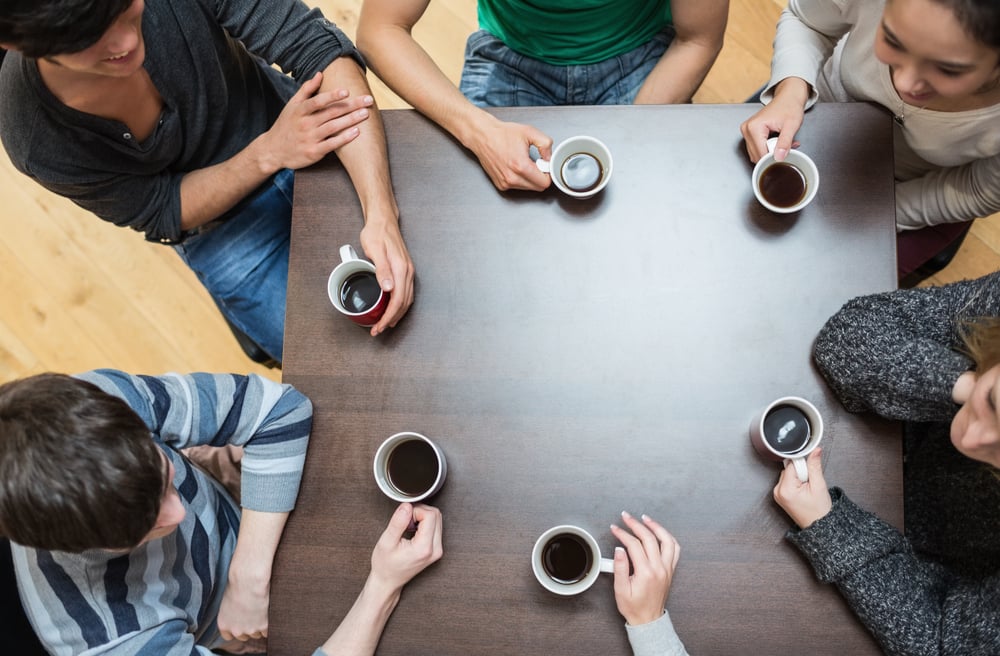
x: 579, y: 358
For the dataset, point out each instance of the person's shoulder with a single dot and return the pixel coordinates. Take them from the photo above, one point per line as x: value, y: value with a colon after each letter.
x: 19, y: 108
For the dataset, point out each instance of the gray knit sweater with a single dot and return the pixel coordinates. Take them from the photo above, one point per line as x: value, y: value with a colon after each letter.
x: 935, y: 590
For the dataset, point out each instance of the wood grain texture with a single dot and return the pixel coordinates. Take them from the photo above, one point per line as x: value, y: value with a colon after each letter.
x: 577, y: 358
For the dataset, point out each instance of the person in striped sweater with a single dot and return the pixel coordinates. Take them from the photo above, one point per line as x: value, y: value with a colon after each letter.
x: 122, y: 546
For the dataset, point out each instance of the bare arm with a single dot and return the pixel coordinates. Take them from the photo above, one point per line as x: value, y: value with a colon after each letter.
x: 395, y: 560
x: 700, y: 25
x: 245, y: 602
x: 385, y: 38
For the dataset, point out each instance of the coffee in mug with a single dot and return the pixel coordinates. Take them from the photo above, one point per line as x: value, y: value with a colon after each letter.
x: 354, y: 289
x: 580, y: 166
x: 786, y: 186
x: 360, y: 292
x: 410, y: 467
x: 786, y: 429
x: 782, y: 185
x: 789, y: 428
x: 566, y: 560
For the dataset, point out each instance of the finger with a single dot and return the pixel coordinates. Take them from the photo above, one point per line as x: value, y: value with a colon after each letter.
x: 226, y: 635
x: 636, y: 552
x: 814, y: 464
x: 783, y: 145
x: 669, y: 547
x: 649, y: 542
x: 398, y: 524
x: 622, y: 583
x: 308, y: 88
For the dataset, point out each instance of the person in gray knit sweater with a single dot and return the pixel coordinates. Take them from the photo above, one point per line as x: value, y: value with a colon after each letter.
x: 929, y: 357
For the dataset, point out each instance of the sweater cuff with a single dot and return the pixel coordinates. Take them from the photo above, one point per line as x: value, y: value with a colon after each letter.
x: 656, y: 638
x: 845, y: 539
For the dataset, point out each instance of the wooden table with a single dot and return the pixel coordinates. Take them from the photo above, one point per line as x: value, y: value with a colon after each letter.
x: 577, y: 358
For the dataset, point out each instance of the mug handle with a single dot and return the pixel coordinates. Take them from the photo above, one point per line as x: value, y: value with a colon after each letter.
x: 543, y: 165
x: 347, y: 253
x: 607, y: 565
x: 800, y: 468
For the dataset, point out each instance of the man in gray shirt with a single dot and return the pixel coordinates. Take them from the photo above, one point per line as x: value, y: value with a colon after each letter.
x: 167, y: 117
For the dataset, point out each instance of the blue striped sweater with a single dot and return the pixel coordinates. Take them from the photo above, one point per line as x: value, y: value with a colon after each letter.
x: 163, y: 597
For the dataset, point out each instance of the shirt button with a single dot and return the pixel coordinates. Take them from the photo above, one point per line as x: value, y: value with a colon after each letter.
x: 127, y: 136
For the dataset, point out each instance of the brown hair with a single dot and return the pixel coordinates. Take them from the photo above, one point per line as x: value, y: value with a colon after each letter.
x: 78, y: 467
x: 981, y: 342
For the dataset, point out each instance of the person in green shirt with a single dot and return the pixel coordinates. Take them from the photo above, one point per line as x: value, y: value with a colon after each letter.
x: 546, y: 52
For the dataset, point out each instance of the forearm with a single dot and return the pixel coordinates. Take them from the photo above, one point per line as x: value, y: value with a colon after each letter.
x: 253, y: 558
x: 365, y: 158
x: 679, y: 73
x: 949, y: 195
x: 209, y: 192
x: 405, y: 66
x: 360, y: 630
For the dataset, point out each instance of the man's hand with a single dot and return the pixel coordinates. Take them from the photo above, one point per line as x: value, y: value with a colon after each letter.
x: 502, y: 149
x: 313, y: 124
x: 383, y: 244
x: 804, y: 502
x: 642, y: 596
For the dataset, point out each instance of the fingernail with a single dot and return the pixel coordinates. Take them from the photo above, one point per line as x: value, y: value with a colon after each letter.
x: 619, y: 550
x: 369, y: 99
x: 625, y: 514
x: 645, y: 517
x: 363, y: 112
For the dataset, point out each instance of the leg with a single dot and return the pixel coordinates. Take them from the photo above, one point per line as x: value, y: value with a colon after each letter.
x: 243, y: 262
x: 496, y: 76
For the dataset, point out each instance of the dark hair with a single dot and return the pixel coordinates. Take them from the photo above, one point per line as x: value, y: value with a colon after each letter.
x: 78, y: 467
x: 979, y: 18
x: 42, y: 28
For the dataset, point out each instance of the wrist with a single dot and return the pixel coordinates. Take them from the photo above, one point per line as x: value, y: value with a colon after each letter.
x: 261, y: 157
x: 640, y: 618
x: 793, y: 90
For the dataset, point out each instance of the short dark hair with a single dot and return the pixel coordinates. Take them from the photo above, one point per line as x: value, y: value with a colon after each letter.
x: 42, y: 28
x: 78, y: 467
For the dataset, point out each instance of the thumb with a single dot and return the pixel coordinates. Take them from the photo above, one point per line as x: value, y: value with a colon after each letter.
x: 309, y: 87
x: 398, y: 523
x: 783, y: 145
x: 814, y: 464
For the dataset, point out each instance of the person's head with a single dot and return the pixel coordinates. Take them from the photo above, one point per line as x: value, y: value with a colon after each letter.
x: 940, y: 49
x: 94, y: 36
x: 975, y: 430
x: 79, y: 469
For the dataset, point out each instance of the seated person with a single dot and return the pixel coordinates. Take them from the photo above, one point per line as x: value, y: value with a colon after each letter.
x: 122, y: 546
x: 931, y: 358
x: 642, y: 595
x: 166, y: 116
x: 555, y: 52
x: 934, y: 65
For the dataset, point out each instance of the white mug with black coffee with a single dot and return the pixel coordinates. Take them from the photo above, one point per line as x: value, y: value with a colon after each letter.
x: 789, y: 428
x: 580, y: 166
x: 354, y: 289
x: 566, y: 560
x: 786, y: 186
x: 409, y: 467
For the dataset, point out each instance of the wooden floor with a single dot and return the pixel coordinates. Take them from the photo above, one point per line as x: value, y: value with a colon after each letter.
x: 79, y: 293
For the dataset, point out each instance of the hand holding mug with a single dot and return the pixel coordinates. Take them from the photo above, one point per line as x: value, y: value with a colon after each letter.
x: 395, y: 559
x: 805, y: 502
x: 653, y: 551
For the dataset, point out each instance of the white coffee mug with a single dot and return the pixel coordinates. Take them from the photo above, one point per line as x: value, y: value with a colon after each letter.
x: 802, y: 172
x: 351, y: 265
x: 776, y: 424
x: 580, y: 166
x: 410, y: 467
x: 566, y: 560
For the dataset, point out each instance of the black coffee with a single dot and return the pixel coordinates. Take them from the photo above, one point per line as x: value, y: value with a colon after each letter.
x: 566, y: 558
x: 581, y: 172
x: 786, y: 429
x: 782, y: 185
x: 360, y: 292
x: 412, y: 467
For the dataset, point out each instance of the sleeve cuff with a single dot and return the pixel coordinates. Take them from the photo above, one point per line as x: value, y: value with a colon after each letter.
x: 656, y: 638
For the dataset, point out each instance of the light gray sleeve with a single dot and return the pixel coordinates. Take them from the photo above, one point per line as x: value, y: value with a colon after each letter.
x: 656, y: 638
x: 808, y: 31
x: 949, y: 195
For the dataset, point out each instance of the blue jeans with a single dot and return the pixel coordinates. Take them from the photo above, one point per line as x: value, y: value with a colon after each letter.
x: 242, y: 260
x: 496, y: 76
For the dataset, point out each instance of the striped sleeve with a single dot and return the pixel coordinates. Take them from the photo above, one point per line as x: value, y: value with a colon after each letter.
x: 270, y: 420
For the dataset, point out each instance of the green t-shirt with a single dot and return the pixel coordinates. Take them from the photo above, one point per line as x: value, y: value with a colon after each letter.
x: 566, y: 32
